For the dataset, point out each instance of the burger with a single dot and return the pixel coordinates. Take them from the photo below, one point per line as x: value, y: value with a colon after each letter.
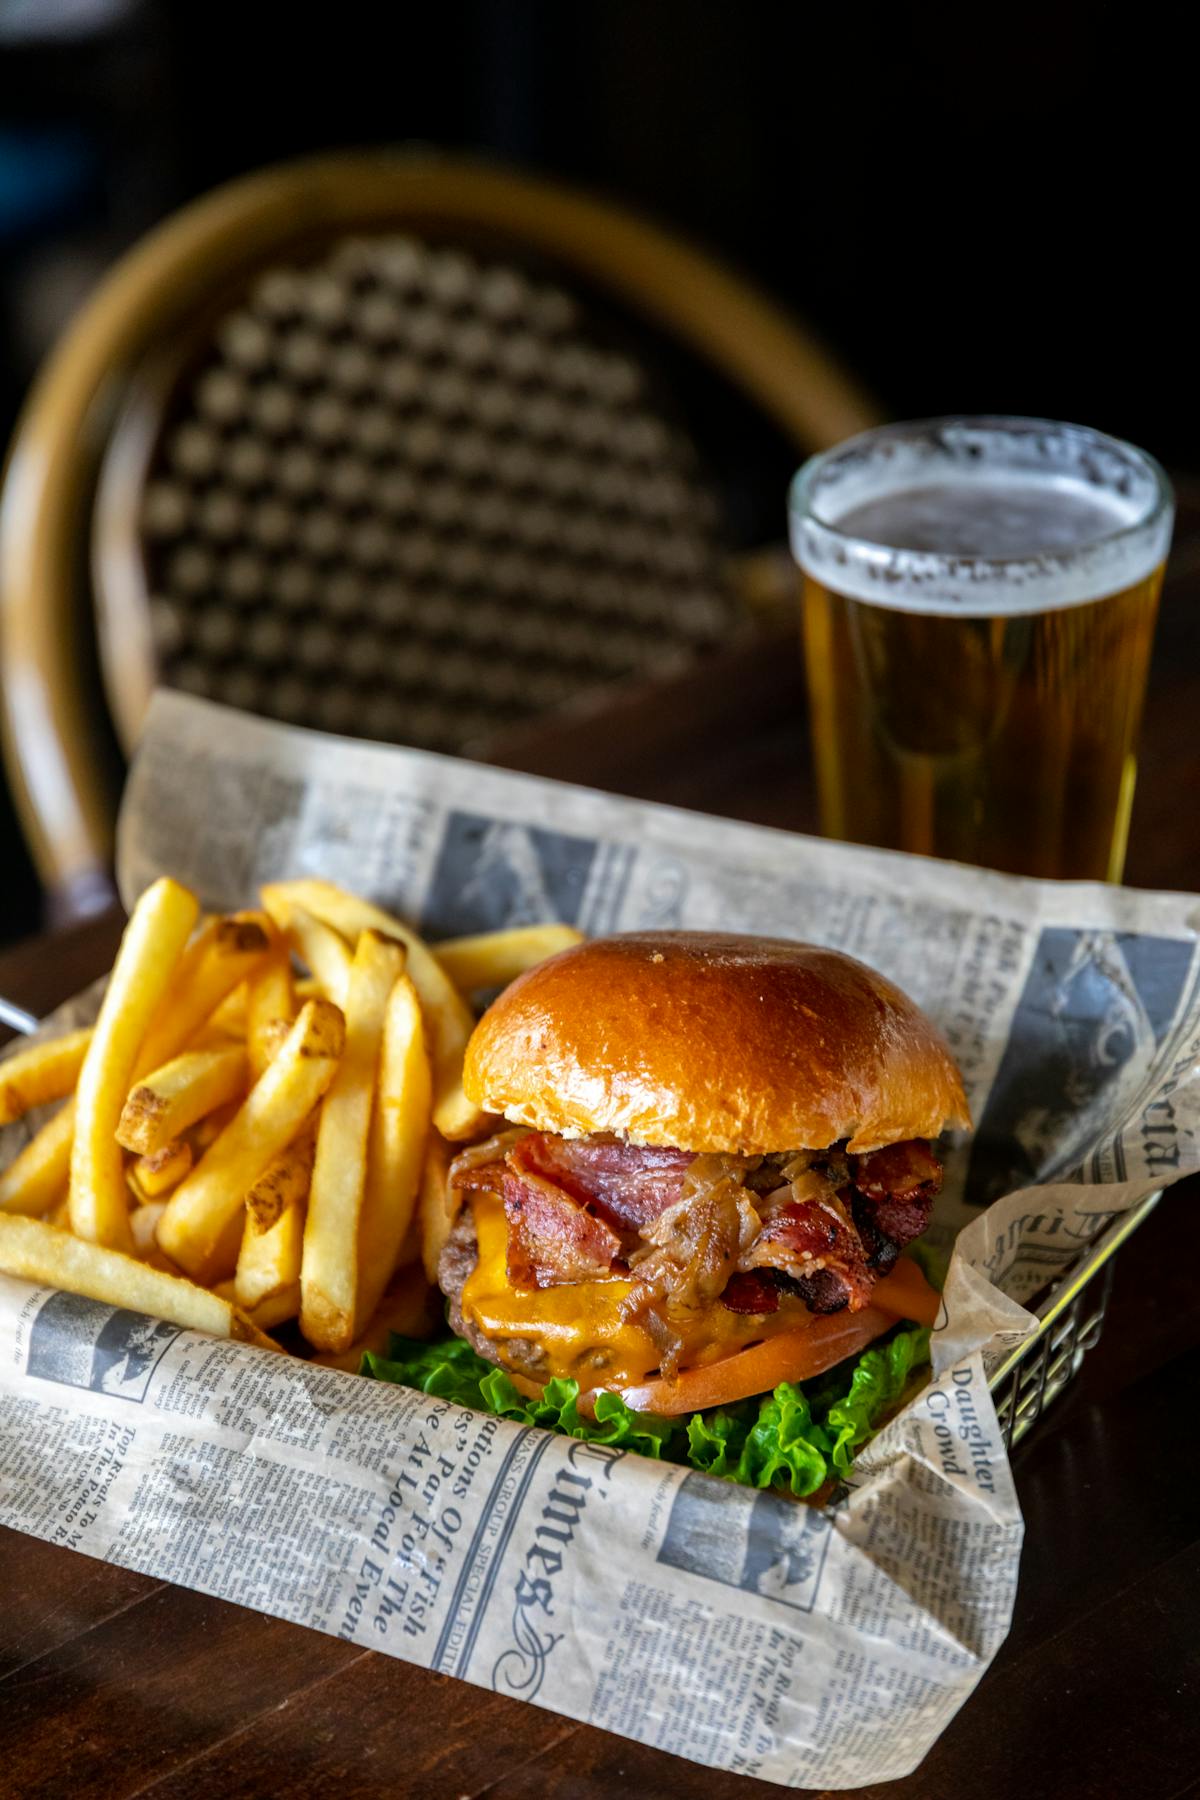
x: 715, y: 1151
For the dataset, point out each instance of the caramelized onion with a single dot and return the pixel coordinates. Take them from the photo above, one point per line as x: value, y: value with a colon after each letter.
x: 493, y: 1149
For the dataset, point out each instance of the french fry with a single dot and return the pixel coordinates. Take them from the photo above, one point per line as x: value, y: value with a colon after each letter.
x: 269, y: 1261
x: 210, y: 1037
x: 446, y: 1012
x: 154, y: 939
x: 224, y: 952
x: 60, y: 1216
x: 143, y: 1223
x: 410, y: 1247
x: 230, y: 1016
x: 198, y: 951
x: 45, y: 1070
x: 431, y: 1204
x: 34, y: 1180
x: 409, y: 1308
x: 274, y: 1036
x: 167, y: 1100
x: 322, y: 950
x: 399, y: 1127
x: 225, y: 1256
x: 202, y: 1207
x: 329, y: 1273
x: 153, y: 1176
x: 285, y: 1182
x: 273, y: 1239
x: 275, y: 1311
x: 278, y: 1308
x: 206, y: 1131
x: 494, y: 958
x: 201, y: 941
x: 35, y: 1251
x: 229, y: 1247
x: 270, y: 1001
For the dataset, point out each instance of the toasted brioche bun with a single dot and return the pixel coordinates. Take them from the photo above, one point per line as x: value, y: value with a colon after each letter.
x: 713, y: 1042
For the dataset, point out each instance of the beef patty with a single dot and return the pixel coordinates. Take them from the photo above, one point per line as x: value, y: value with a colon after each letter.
x: 523, y: 1356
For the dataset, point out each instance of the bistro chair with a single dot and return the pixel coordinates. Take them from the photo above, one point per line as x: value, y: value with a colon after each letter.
x: 379, y: 444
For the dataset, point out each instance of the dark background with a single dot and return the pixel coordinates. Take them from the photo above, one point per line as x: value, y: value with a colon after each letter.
x: 979, y: 209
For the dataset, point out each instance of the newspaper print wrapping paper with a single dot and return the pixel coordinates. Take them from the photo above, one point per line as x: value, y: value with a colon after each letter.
x: 732, y: 1627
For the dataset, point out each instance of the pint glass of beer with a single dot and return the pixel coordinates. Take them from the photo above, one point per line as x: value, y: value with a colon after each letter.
x: 979, y: 604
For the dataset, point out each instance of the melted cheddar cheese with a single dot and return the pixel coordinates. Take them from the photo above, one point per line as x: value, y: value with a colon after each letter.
x: 579, y: 1325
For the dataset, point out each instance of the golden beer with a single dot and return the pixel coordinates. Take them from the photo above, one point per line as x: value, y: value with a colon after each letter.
x: 979, y: 607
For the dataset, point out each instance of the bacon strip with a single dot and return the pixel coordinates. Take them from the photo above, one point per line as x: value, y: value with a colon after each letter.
x: 751, y: 1293
x: 629, y: 1185
x: 807, y: 1238
x: 902, y: 1171
x: 482, y: 1165
x: 551, y: 1239
x: 578, y: 1208
x: 894, y: 1193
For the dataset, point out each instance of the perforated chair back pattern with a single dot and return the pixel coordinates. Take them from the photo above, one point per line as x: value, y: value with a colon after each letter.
x: 405, y: 495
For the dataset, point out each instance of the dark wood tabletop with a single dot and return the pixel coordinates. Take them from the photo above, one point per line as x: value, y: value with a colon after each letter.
x: 115, y: 1685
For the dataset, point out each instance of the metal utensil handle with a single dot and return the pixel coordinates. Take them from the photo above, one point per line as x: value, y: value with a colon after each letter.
x: 16, y: 1018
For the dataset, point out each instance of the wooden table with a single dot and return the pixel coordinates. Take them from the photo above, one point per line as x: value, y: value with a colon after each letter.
x: 112, y: 1684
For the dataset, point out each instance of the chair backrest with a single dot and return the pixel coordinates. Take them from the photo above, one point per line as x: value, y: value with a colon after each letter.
x: 367, y: 443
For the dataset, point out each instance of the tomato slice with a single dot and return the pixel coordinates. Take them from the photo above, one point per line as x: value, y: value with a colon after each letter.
x: 822, y: 1341
x: 790, y: 1356
x: 906, y: 1293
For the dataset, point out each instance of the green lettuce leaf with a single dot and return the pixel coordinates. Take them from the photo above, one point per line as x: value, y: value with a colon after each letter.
x: 794, y: 1439
x: 773, y: 1441
x: 450, y: 1370
x: 877, y: 1383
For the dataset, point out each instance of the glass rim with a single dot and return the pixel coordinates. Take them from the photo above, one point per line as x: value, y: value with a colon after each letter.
x: 851, y: 550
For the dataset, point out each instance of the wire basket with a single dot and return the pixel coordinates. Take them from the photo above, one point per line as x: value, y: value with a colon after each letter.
x: 1070, y: 1320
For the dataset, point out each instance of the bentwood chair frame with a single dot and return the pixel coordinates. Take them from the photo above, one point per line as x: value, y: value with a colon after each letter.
x: 180, y: 272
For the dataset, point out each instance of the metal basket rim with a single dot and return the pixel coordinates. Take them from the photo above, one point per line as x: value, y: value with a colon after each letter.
x: 1069, y: 1285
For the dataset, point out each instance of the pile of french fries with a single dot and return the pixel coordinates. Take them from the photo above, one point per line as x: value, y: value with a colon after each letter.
x: 257, y: 1127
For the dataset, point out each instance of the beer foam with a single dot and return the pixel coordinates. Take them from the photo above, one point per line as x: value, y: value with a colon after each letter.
x: 980, y: 516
